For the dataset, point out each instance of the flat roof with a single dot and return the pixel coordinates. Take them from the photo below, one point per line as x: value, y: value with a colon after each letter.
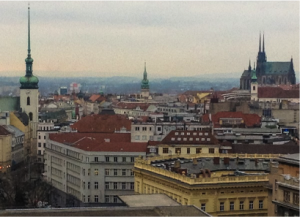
x: 146, y: 200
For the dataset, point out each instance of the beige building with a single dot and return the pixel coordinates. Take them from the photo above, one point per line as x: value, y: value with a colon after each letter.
x: 5, y: 150
x: 284, y: 186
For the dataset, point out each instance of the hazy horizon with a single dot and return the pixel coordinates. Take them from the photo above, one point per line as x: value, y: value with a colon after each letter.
x: 176, y: 39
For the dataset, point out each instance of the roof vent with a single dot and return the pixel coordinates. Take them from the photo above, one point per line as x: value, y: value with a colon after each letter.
x: 106, y: 140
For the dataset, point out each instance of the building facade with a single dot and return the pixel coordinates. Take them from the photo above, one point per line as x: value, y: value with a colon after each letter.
x: 89, y: 169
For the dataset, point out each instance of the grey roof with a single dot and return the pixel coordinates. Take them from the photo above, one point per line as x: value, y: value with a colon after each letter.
x: 109, y: 211
x: 208, y: 163
x: 143, y: 200
x: 277, y: 68
x: 255, y: 130
x: 290, y: 159
x: 248, y: 73
x: 14, y: 130
x: 9, y: 103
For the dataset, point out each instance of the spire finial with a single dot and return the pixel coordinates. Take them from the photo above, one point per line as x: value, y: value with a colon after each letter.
x: 29, y: 50
x: 259, y: 41
x: 249, y: 67
x: 263, y: 42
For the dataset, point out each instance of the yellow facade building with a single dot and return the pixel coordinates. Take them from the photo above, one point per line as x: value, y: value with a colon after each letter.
x: 5, y: 149
x: 220, y: 184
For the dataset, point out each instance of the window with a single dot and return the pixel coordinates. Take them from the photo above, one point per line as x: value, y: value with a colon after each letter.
x: 286, y: 196
x: 89, y: 185
x: 83, y: 172
x: 188, y: 150
x: 96, y: 159
x: 123, y: 172
x: 178, y: 150
x: 44, y: 137
x: 96, y: 172
x: 203, y: 206
x: 158, y: 128
x: 106, y: 159
x: 123, y: 159
x: 144, y: 128
x: 89, y: 171
x: 132, y: 174
x: 253, y: 87
x: 96, y: 185
x: 115, y: 172
x: 106, y: 199
x: 137, y: 137
x: 115, y: 159
x: 28, y: 100
x: 115, y: 185
x: 89, y: 198
x: 150, y: 128
x: 137, y: 128
x: 231, y: 207
x: 83, y: 185
x: 115, y: 199
x: 106, y: 185
x: 30, y: 116
x: 260, y: 204
x: 241, y: 205
x: 131, y: 185
x: 132, y: 159
x: 107, y: 172
x: 144, y: 137
x: 198, y: 150
x: 221, y: 206
x: 44, y: 145
x: 40, y: 144
x: 39, y: 152
x: 83, y: 198
x: 123, y: 185
x: 251, y: 204
x: 96, y: 198
x: 295, y: 198
x: 165, y: 150
x: 211, y: 150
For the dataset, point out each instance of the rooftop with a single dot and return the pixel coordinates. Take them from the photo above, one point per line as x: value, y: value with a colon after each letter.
x: 277, y: 92
x: 109, y: 142
x: 290, y: 158
x: 146, y: 200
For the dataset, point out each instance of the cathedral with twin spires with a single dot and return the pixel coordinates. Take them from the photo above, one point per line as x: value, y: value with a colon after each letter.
x: 268, y: 73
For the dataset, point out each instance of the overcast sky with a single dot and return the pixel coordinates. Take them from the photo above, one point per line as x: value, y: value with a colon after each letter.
x: 175, y: 38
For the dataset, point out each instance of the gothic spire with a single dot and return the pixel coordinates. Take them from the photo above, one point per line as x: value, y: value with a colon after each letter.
x: 145, y: 72
x: 249, y: 67
x: 29, y: 50
x: 263, y: 43
x: 259, y: 42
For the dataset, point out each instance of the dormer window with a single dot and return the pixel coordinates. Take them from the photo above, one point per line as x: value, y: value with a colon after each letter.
x: 184, y: 139
x: 202, y: 139
x: 188, y: 133
x: 182, y: 133
x: 206, y: 134
x: 179, y: 139
x: 200, y: 134
x: 208, y: 139
x: 197, y: 139
x: 173, y: 139
x: 176, y: 133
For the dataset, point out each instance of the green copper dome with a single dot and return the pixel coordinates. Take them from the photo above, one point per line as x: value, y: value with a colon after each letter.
x: 254, y: 78
x: 29, y: 82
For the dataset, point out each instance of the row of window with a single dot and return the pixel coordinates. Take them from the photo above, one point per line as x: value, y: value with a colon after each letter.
x: 117, y: 159
x: 231, y: 205
x: 45, y: 128
x: 188, y: 150
x: 108, y: 199
x: 40, y: 144
x: 143, y: 128
x: 190, y: 139
x: 119, y: 172
x: 119, y: 185
x: 287, y: 197
x: 45, y: 137
x: 189, y: 133
x: 144, y: 137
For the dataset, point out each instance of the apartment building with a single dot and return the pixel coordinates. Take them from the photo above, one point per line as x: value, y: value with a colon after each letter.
x: 284, y: 186
x: 91, y: 168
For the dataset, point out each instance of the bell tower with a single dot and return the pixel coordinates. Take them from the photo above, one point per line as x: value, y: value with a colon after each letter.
x: 29, y: 90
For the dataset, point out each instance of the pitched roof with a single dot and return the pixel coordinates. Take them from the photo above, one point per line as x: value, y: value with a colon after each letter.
x: 123, y: 105
x: 102, y: 124
x: 276, y: 67
x: 249, y: 119
x: 190, y: 137
x: 96, y: 97
x: 265, y: 148
x: 3, y: 131
x: 277, y: 92
x: 110, y: 142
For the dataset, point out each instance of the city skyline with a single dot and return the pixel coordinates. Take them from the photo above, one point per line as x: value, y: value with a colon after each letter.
x: 175, y: 38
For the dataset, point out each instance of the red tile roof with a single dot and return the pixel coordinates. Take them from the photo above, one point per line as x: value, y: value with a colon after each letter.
x: 277, y: 92
x: 102, y: 124
x: 182, y: 137
x: 110, y: 142
x: 96, y: 97
x: 250, y: 120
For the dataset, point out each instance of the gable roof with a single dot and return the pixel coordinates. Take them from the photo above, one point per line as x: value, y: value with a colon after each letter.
x: 101, y: 124
x: 276, y: 68
x: 96, y: 98
x: 3, y: 131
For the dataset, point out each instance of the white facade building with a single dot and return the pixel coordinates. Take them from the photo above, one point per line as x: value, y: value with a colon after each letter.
x: 92, y: 169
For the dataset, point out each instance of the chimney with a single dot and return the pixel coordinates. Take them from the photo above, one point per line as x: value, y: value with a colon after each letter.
x: 106, y: 140
x: 203, y: 173
x: 195, y: 162
x: 256, y: 162
x: 208, y: 172
x: 177, y: 164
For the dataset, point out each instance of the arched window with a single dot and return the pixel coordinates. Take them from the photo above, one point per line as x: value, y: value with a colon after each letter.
x: 253, y: 87
x: 279, y: 80
x: 285, y: 80
x: 30, y: 116
x: 264, y: 80
x: 28, y: 100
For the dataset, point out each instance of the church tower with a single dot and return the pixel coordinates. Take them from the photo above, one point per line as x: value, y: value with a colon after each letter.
x: 29, y: 90
x: 261, y: 57
x: 145, y: 85
x: 254, y: 87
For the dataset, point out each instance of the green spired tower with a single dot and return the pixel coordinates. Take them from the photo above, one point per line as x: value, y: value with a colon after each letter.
x: 29, y: 90
x: 145, y: 85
